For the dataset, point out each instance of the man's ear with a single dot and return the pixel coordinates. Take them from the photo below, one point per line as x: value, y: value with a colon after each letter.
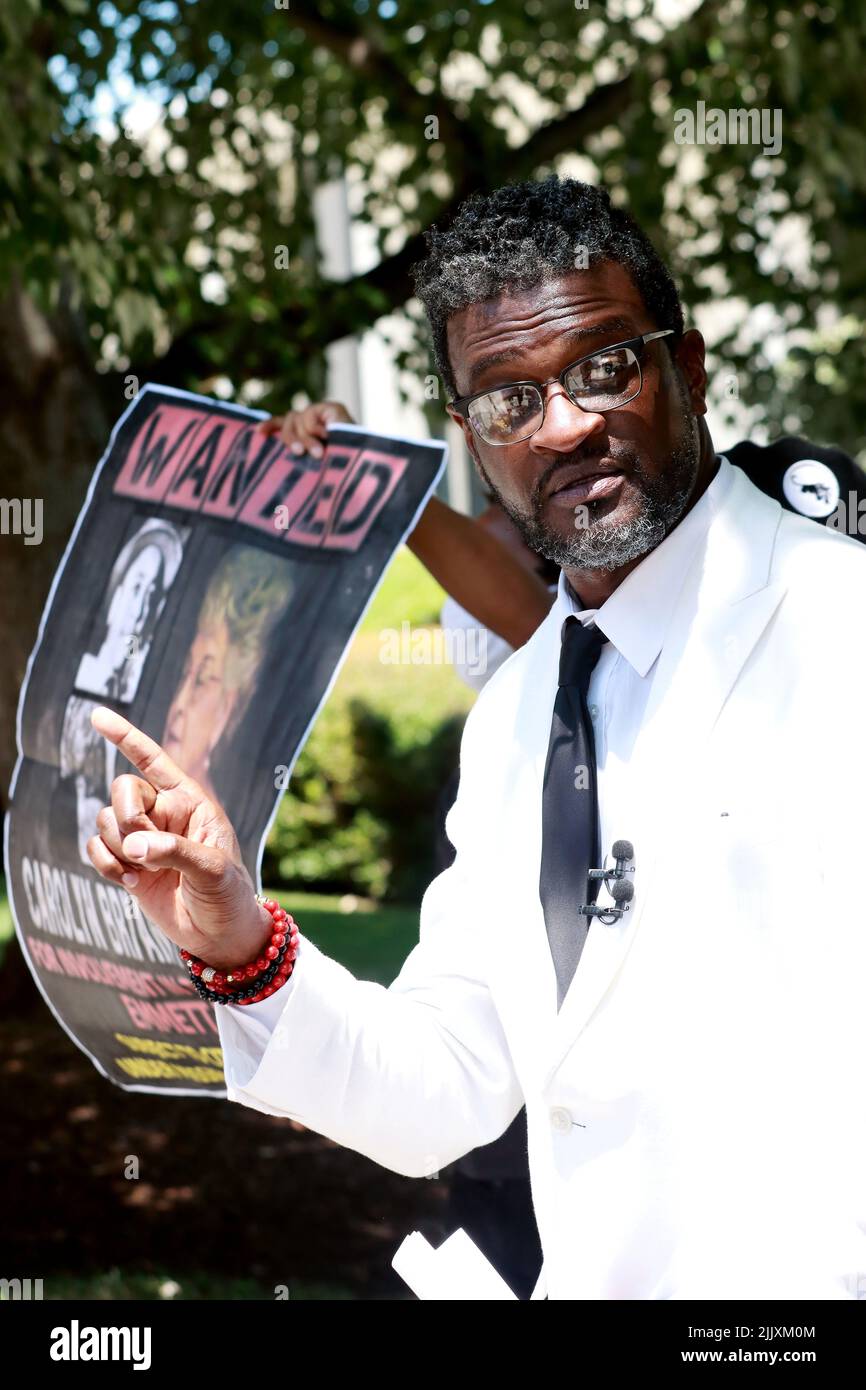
x: 468, y: 432
x: 689, y: 356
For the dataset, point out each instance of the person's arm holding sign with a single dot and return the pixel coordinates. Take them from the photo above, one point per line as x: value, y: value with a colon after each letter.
x: 469, y: 561
x: 412, y: 1076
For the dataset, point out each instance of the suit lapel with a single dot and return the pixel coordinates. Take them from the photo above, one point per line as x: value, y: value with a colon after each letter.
x: 723, y: 608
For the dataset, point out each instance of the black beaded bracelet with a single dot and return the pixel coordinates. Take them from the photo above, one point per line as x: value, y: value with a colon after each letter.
x: 247, y: 989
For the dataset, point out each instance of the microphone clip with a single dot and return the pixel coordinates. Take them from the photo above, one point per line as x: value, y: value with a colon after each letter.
x: 622, y: 890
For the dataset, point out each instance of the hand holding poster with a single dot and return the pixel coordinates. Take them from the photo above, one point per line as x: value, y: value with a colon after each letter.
x: 208, y: 593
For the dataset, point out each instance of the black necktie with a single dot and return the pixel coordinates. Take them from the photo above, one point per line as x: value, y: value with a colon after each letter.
x: 569, y: 807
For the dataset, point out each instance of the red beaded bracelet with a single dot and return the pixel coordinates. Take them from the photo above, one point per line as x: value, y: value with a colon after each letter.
x: 259, y: 978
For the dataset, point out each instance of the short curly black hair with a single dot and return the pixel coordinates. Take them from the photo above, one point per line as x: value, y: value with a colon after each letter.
x: 519, y: 235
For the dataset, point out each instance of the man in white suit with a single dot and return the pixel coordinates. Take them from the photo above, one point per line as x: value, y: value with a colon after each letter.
x: 691, y: 1068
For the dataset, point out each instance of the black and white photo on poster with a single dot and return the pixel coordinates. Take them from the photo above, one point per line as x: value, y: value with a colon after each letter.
x: 140, y: 579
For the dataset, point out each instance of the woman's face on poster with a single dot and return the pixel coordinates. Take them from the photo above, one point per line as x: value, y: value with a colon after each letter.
x: 202, y: 704
x: 133, y: 598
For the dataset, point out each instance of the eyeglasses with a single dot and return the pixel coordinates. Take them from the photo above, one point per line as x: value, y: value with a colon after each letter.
x: 601, y: 381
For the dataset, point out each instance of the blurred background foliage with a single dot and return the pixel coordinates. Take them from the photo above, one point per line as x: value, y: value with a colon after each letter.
x: 261, y: 103
x: 158, y: 255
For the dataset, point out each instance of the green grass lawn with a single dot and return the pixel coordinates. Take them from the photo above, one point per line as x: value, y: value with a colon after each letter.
x: 372, y: 941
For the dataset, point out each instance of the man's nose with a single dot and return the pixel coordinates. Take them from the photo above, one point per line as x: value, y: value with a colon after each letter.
x: 566, y: 425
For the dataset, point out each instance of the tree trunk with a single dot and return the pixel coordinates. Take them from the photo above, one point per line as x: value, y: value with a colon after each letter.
x: 53, y: 428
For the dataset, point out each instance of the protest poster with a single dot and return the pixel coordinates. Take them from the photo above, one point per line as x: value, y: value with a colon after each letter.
x: 209, y: 591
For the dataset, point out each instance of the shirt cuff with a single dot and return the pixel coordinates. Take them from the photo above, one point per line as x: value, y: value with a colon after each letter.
x: 245, y: 1031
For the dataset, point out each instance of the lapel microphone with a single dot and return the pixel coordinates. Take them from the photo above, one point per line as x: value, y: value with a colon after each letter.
x: 621, y: 886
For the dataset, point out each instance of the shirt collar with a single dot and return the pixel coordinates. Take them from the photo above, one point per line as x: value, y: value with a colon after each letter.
x: 636, y: 616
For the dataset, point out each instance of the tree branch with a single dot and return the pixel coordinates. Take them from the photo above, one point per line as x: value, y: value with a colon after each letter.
x: 573, y: 128
x: 185, y: 358
x: 361, y: 52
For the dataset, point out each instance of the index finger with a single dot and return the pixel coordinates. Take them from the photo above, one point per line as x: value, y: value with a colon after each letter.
x: 272, y: 425
x: 143, y: 752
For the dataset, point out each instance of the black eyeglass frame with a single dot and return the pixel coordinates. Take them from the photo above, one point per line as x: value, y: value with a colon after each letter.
x: 461, y: 405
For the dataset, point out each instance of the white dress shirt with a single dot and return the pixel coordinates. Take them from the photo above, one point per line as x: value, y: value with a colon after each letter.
x: 634, y: 619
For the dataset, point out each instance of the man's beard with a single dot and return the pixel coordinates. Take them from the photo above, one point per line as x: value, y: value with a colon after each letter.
x: 598, y: 544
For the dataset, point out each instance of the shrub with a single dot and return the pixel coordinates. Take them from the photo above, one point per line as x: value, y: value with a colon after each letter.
x: 360, y: 815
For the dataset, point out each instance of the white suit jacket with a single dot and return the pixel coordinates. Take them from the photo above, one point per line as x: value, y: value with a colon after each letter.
x: 697, y: 1108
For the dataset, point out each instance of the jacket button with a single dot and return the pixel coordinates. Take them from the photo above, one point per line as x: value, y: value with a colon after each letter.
x: 560, y: 1120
